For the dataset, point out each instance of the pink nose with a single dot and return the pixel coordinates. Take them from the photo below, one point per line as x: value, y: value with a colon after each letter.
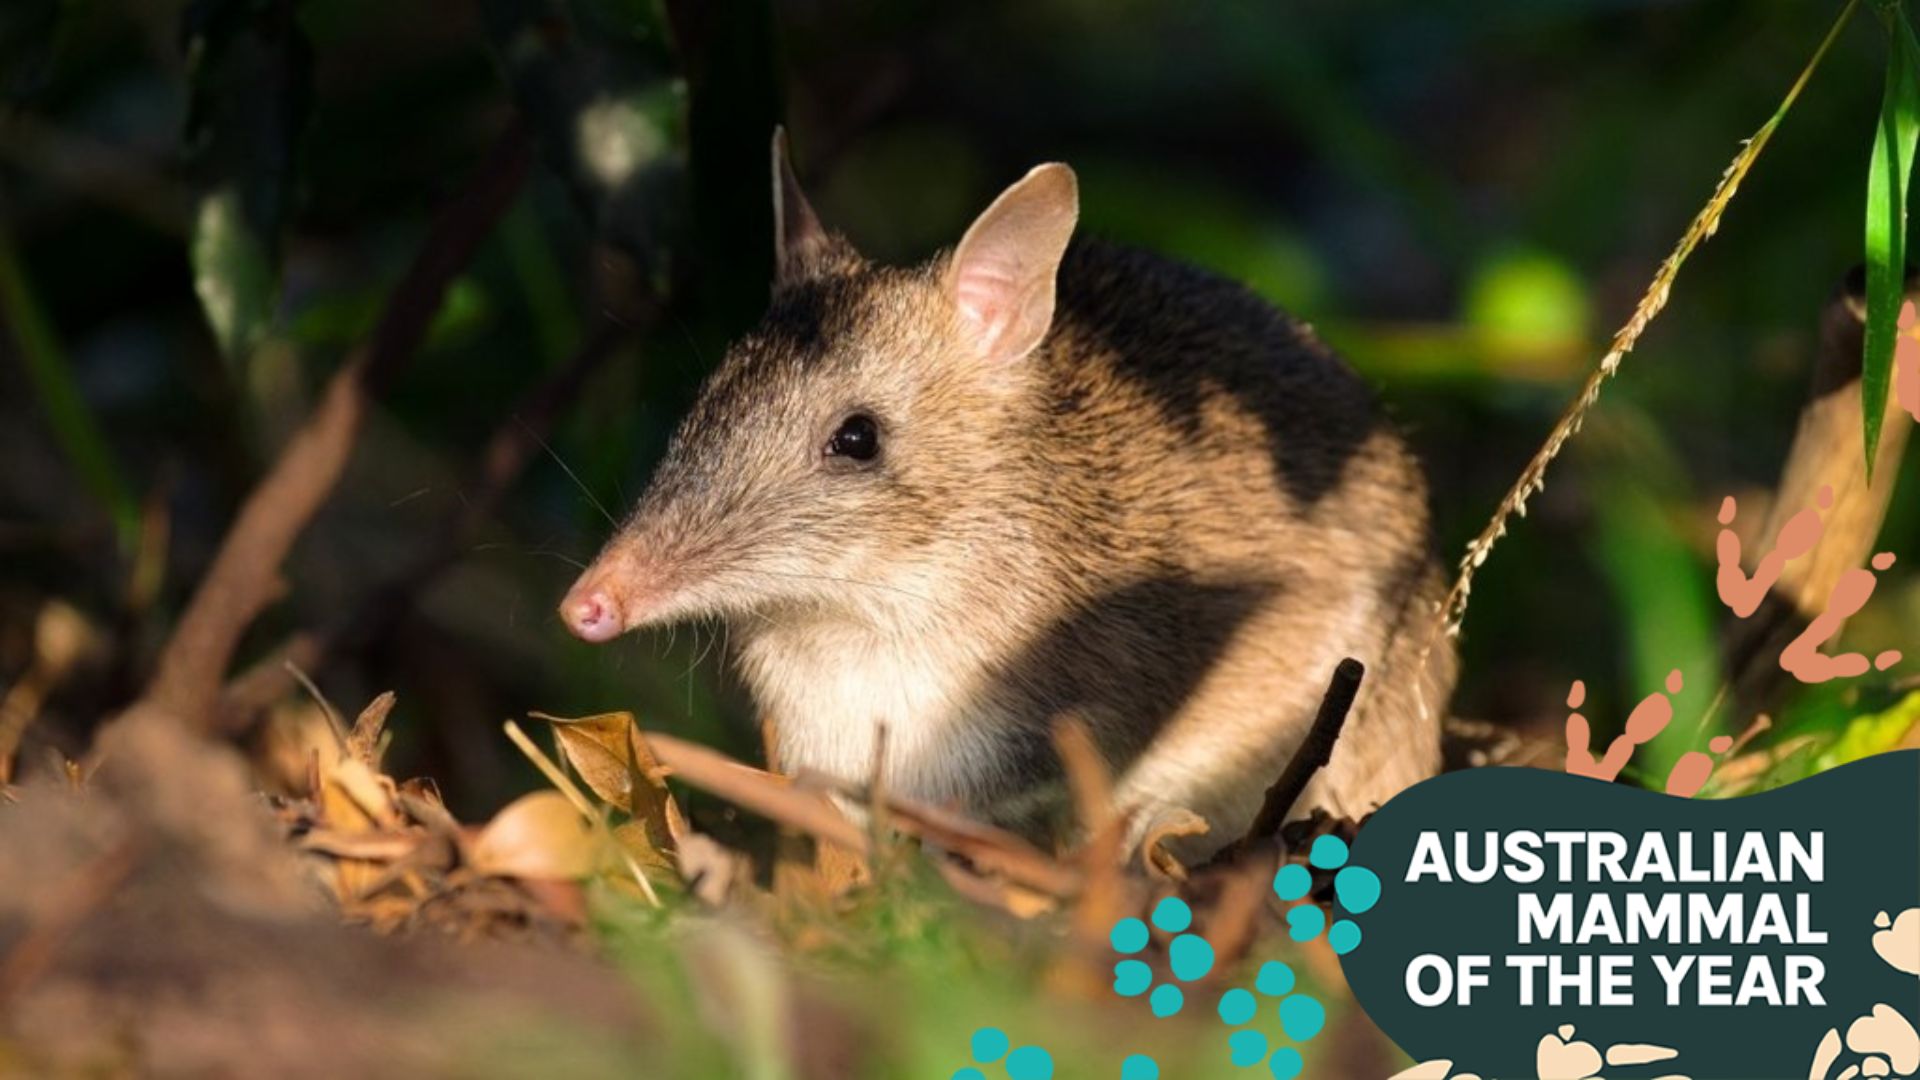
x: 592, y: 616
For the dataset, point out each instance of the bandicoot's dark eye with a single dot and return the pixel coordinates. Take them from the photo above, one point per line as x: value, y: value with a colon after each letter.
x: 858, y: 439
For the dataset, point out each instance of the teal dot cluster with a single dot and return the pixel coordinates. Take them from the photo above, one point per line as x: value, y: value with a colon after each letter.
x: 1189, y: 956
x: 1301, y: 1018
x: 1355, y: 887
x: 1022, y: 1063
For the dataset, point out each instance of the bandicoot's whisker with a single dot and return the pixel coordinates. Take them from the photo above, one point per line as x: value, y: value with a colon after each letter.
x: 568, y: 559
x: 564, y: 467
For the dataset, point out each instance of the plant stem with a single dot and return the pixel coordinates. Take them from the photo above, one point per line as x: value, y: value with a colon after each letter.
x: 73, y: 424
x: 1533, y: 478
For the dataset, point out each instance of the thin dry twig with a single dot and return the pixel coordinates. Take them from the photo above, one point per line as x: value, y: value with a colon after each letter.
x: 1104, y: 898
x: 1312, y: 756
x: 1088, y: 780
x: 1102, y: 853
x: 991, y: 849
x: 782, y: 800
x: 771, y: 796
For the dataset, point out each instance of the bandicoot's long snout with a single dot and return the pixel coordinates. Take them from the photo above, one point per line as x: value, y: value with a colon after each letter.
x: 611, y: 597
x: 591, y: 612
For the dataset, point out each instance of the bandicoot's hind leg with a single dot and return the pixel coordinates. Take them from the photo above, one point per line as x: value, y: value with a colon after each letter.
x: 1259, y: 703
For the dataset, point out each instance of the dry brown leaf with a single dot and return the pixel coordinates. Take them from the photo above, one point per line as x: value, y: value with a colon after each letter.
x: 613, y: 759
x: 602, y: 751
x: 1170, y: 826
x: 647, y: 849
x: 539, y: 836
x: 355, y: 801
x: 364, y: 741
x: 352, y: 798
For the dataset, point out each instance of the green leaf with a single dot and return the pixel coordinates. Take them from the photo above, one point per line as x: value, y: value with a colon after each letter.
x: 233, y: 274
x: 1887, y: 180
x: 1874, y: 733
x: 249, y: 76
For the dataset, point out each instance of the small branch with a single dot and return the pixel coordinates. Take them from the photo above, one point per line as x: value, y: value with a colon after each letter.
x: 1104, y: 895
x: 785, y: 802
x: 244, y: 577
x: 771, y: 796
x: 1245, y: 890
x: 1088, y: 780
x: 991, y: 849
x: 1312, y: 756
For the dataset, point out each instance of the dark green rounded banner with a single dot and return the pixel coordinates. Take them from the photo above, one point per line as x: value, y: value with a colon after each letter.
x: 1533, y: 923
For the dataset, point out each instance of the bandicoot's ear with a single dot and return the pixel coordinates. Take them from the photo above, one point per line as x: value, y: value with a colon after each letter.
x: 1002, y: 274
x: 798, y: 240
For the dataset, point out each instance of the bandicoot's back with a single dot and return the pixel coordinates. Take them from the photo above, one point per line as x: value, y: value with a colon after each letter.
x: 1033, y: 480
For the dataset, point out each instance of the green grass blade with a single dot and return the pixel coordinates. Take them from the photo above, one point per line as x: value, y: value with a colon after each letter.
x: 66, y: 411
x: 1887, y: 182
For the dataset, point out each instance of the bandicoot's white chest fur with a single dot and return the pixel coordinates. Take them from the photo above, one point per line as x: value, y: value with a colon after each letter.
x: 828, y: 687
